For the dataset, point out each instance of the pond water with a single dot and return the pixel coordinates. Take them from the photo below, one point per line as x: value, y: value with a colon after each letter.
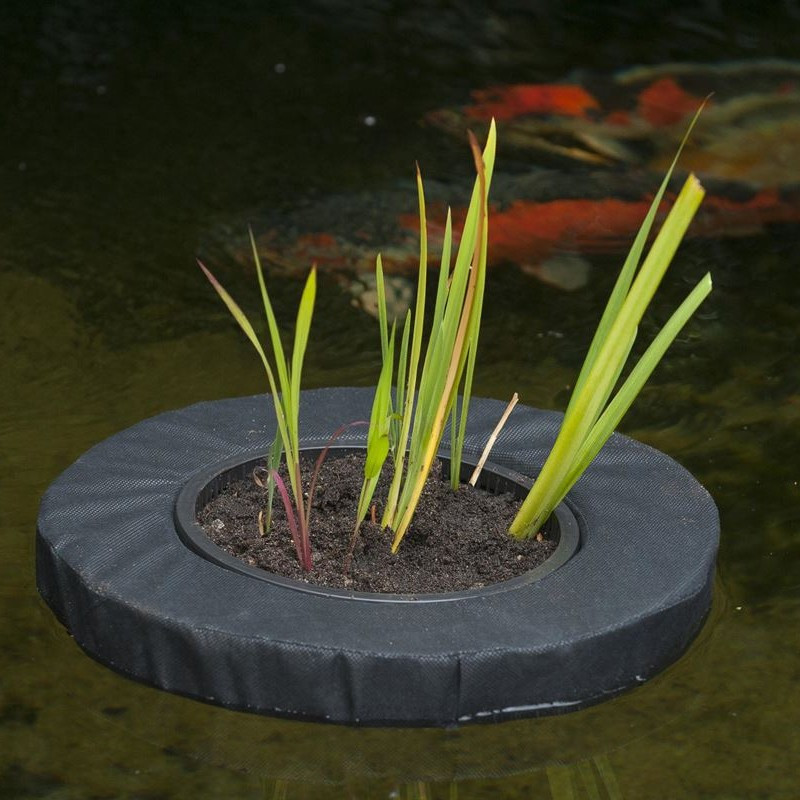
x: 136, y: 137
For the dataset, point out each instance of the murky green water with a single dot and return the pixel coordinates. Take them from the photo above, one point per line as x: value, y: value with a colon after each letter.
x: 130, y: 141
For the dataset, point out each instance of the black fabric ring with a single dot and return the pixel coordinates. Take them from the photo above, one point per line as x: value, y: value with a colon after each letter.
x: 113, y: 569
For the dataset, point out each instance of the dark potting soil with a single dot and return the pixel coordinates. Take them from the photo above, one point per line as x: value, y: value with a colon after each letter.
x: 457, y: 540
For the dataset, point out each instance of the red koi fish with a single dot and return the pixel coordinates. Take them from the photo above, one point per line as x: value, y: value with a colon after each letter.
x: 527, y: 232
x: 746, y: 150
x: 524, y: 231
x: 749, y: 131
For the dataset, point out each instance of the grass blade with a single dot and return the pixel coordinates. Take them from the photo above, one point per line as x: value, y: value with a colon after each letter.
x: 305, y: 312
x: 623, y: 282
x: 272, y: 325
x: 442, y: 338
x: 601, y: 378
x: 283, y: 399
x: 419, y: 470
x: 245, y: 325
x: 633, y: 384
x: 416, y: 346
x: 599, y: 382
x: 442, y: 290
x: 378, y: 441
x: 381, y: 416
x: 236, y: 312
x: 457, y: 442
x: 444, y: 272
x: 380, y: 288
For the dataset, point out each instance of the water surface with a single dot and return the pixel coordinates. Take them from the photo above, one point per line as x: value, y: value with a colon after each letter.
x: 137, y: 137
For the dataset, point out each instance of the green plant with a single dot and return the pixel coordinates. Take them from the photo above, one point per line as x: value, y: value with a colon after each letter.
x: 592, y: 413
x: 380, y: 423
x: 286, y: 395
x: 591, y: 417
x: 595, y: 777
x: 411, y: 426
x: 428, y: 397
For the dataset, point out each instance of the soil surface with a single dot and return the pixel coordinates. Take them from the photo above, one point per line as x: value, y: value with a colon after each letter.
x: 457, y: 540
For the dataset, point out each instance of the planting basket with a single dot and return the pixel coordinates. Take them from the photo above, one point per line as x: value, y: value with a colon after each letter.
x: 208, y: 483
x: 114, y: 569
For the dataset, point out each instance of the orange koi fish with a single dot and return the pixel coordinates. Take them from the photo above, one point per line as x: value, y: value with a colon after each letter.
x: 523, y: 231
x: 746, y: 150
x: 749, y: 131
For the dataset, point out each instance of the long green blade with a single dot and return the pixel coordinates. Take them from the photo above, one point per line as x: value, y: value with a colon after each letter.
x: 416, y: 346
x: 380, y: 418
x: 442, y: 288
x: 283, y: 399
x: 380, y: 288
x: 603, y: 376
x: 400, y: 383
x: 639, y: 375
x: 444, y: 271
x: 236, y: 312
x: 304, y: 314
x: 419, y: 466
x: 600, y: 379
x: 272, y: 325
x: 443, y: 337
x: 245, y: 325
x: 459, y: 419
x: 625, y: 278
x: 473, y: 332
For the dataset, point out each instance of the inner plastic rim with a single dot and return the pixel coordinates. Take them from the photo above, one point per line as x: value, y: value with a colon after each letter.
x: 206, y: 484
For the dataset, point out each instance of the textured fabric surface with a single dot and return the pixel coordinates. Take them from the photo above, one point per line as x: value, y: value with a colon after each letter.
x: 112, y: 568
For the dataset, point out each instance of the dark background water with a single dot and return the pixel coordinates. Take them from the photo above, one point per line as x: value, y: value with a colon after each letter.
x: 132, y: 137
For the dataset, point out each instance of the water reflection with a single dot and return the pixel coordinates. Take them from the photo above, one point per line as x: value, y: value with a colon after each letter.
x: 105, y: 707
